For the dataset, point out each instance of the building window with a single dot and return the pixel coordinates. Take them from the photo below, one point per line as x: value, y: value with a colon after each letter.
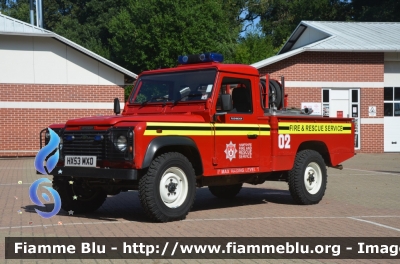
x: 391, y: 104
x: 354, y: 96
x: 396, y: 109
x: 325, y: 102
x: 325, y: 96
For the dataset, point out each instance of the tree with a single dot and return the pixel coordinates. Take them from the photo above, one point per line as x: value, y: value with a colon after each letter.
x: 151, y: 34
x: 282, y: 16
x: 376, y: 11
x: 84, y: 22
x: 245, y: 13
x: 17, y: 9
x: 252, y: 48
x: 141, y: 35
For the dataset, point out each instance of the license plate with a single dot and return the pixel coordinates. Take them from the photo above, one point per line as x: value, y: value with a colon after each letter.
x: 80, y: 161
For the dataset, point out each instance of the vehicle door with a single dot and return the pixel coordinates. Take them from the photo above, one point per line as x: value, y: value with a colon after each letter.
x: 236, y: 131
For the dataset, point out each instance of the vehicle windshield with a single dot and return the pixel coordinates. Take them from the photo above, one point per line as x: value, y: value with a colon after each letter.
x: 174, y: 86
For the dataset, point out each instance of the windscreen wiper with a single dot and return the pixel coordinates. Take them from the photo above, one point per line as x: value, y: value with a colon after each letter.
x: 180, y: 99
x: 152, y: 98
x: 189, y: 95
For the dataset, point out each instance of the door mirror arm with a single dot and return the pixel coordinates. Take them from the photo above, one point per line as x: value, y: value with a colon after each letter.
x: 215, y: 116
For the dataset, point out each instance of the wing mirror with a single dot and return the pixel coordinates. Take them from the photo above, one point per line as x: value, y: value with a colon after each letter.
x: 226, y: 102
x: 117, y: 106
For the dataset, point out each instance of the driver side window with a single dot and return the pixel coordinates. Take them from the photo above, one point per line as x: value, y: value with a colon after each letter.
x: 240, y: 89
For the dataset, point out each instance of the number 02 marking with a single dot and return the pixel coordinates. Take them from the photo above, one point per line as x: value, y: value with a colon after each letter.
x: 284, y: 141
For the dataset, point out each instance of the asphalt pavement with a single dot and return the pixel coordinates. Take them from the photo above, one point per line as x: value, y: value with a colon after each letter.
x: 362, y: 200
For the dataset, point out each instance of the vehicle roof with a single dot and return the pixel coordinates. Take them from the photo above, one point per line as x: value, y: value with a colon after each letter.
x: 233, y: 68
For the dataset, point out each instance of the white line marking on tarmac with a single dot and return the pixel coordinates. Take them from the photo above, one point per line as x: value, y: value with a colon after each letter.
x: 281, y: 217
x: 374, y: 172
x: 67, y: 224
x: 225, y: 219
x: 374, y: 223
x: 350, y: 174
x: 377, y: 216
x: 8, y: 184
x: 17, y: 168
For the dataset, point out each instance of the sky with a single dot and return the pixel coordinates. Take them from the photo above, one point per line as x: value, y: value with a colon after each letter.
x: 251, y: 28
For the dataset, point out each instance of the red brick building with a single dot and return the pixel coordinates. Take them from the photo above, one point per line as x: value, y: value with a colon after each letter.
x: 345, y: 68
x: 46, y: 79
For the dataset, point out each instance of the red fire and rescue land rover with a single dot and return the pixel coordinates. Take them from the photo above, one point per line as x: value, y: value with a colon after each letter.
x: 203, y: 123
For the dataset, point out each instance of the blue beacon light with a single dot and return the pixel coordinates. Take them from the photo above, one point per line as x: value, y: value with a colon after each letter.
x: 69, y: 138
x: 98, y: 138
x: 199, y: 58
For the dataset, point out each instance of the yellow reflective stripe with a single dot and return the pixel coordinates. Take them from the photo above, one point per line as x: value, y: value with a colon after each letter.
x: 165, y: 132
x: 314, y: 128
x: 167, y: 124
x: 265, y: 130
x: 180, y: 129
x: 236, y: 129
x: 197, y: 129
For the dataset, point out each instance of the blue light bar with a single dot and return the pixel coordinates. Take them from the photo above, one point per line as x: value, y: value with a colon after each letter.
x: 199, y: 58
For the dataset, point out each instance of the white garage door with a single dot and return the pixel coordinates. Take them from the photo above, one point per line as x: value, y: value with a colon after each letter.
x: 391, y: 134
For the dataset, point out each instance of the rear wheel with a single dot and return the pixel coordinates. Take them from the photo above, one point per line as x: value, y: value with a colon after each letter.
x: 168, y: 189
x: 308, y: 178
x: 77, y: 196
x: 225, y: 191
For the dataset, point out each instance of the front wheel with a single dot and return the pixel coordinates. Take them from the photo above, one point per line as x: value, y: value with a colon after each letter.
x: 308, y: 178
x: 168, y: 189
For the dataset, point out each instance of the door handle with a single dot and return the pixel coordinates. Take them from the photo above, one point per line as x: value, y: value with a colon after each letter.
x: 394, y: 142
x: 252, y: 135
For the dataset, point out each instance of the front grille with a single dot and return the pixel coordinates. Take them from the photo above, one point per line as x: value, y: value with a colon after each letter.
x: 101, y: 144
x: 82, y: 143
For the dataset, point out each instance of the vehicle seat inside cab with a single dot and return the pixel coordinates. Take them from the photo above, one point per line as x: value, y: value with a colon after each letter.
x: 241, y: 99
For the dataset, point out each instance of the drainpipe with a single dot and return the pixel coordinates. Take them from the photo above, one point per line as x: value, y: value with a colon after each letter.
x: 40, y: 13
x: 37, y: 12
x: 31, y: 12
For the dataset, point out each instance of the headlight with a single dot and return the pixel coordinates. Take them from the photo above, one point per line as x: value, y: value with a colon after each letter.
x: 122, y: 143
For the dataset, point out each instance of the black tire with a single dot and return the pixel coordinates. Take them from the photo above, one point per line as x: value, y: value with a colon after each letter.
x: 225, y: 191
x: 161, y: 199
x: 308, y: 179
x: 87, y: 200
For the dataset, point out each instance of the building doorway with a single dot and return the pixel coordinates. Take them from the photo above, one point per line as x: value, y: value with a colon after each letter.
x: 343, y: 102
x: 391, y: 119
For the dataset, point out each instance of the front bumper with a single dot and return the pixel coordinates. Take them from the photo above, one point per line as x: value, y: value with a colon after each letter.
x: 82, y: 172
